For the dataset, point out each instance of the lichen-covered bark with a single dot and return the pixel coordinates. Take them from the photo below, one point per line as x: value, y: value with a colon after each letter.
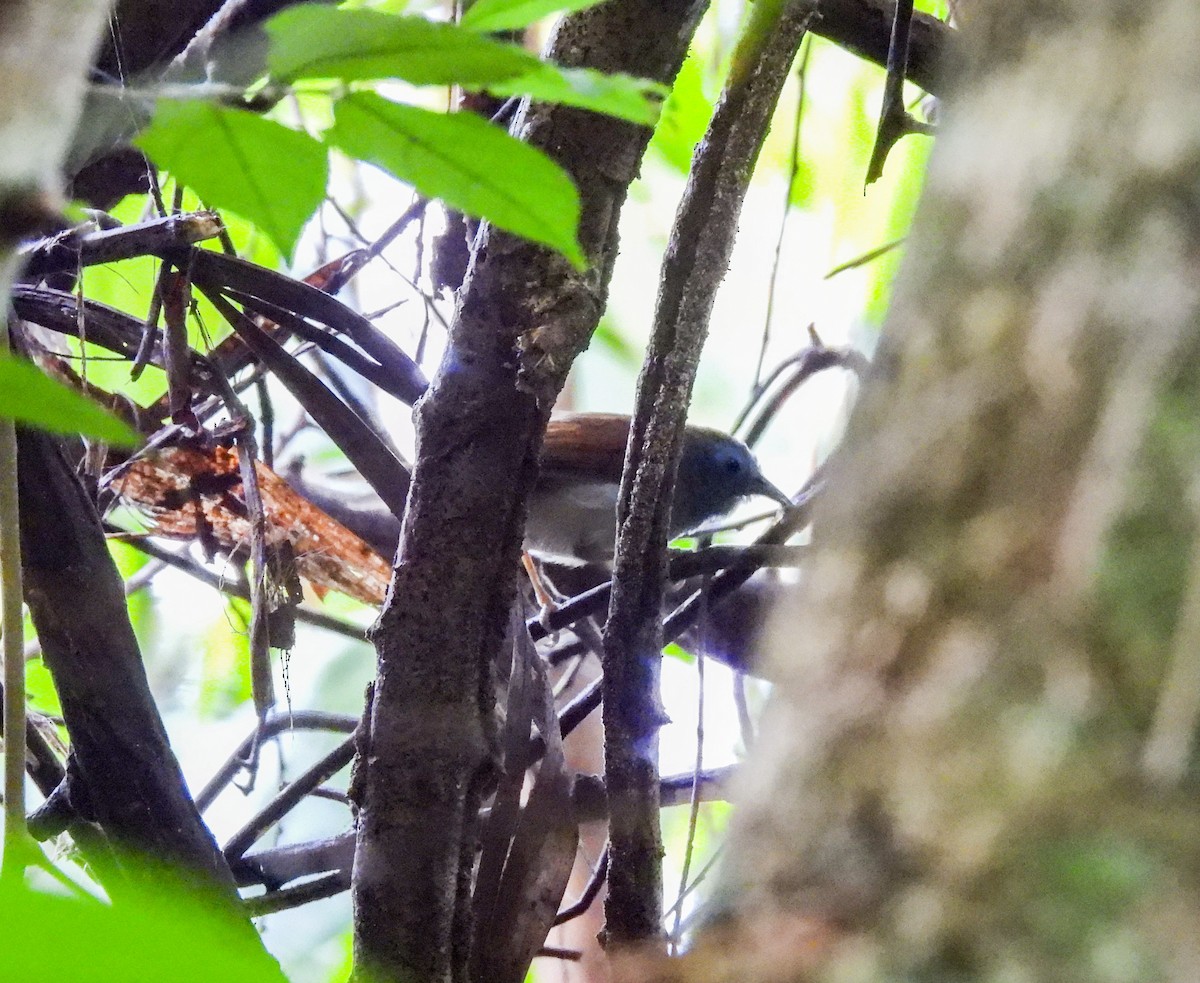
x: 954, y: 778
x: 524, y: 314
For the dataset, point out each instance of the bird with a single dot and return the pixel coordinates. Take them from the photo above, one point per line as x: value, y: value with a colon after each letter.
x: 573, y: 506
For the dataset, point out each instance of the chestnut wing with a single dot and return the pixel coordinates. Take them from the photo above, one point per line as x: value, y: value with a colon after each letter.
x: 591, y: 444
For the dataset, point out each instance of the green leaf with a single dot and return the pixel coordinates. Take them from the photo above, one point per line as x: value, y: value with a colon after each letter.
x: 504, y: 15
x: 624, y: 96
x: 264, y: 171
x: 678, y: 652
x: 310, y: 42
x: 173, y: 935
x: 29, y: 396
x: 313, y: 42
x: 468, y: 163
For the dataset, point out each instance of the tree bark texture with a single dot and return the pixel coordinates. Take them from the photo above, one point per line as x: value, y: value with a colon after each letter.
x: 523, y: 316
x: 697, y: 258
x: 121, y: 771
x: 978, y: 763
x: 45, y: 51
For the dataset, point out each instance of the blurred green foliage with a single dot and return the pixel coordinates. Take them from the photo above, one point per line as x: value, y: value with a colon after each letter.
x: 225, y: 663
x: 29, y: 396
x: 1150, y: 558
x: 164, y: 936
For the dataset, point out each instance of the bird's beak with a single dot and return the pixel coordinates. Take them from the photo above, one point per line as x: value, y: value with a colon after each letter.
x: 768, y: 490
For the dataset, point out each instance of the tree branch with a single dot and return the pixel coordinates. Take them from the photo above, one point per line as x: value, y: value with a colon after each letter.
x: 697, y: 258
x: 121, y: 771
x: 523, y: 316
x: 864, y: 28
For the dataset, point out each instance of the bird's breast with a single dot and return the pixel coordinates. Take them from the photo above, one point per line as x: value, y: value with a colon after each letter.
x: 572, y: 521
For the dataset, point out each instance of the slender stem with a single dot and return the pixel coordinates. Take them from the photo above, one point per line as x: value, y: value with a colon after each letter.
x: 789, y: 190
x: 697, y: 257
x: 12, y: 625
x: 694, y: 806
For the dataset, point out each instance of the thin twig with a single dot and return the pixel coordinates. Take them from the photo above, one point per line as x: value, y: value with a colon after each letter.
x: 12, y: 624
x: 681, y: 566
x: 789, y: 189
x: 392, y: 232
x: 150, y: 328
x: 261, y: 682
x: 375, y: 249
x: 315, y: 776
x: 273, y: 725
x: 729, y: 580
x: 591, y: 891
x: 555, y: 952
x: 317, y: 619
x: 704, y: 871
x: 868, y: 257
x: 894, y: 120
x: 325, y: 886
x: 794, y: 372
x: 694, y: 805
x: 266, y: 421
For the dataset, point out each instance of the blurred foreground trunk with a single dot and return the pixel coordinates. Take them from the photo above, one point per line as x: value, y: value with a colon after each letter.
x: 979, y: 760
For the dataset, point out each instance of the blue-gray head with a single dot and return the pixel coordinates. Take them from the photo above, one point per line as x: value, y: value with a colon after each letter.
x: 716, y: 471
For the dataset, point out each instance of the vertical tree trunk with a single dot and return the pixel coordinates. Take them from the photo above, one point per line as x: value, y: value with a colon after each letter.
x: 978, y: 761
x: 425, y: 760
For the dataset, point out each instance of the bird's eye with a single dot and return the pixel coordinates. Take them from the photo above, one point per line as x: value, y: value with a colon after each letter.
x: 733, y: 466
